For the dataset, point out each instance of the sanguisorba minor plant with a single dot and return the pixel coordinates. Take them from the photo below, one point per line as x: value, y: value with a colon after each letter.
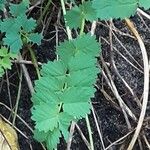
x: 63, y: 92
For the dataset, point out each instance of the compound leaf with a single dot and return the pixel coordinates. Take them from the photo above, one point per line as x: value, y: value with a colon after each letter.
x: 66, y: 86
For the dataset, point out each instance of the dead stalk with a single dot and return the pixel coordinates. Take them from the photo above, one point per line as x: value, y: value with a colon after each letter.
x: 146, y: 83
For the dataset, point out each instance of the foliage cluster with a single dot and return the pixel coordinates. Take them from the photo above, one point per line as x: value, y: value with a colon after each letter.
x: 103, y: 10
x: 63, y: 92
x: 18, y: 28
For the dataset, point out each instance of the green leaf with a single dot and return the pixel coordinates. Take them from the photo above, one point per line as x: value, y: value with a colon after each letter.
x: 28, y: 25
x: 83, y: 78
x: 35, y: 38
x: 82, y: 44
x: 50, y: 83
x: 56, y: 68
x: 3, y: 52
x: 5, y: 60
x: 13, y: 38
x: 75, y: 16
x: 13, y: 41
x: 40, y: 136
x: 45, y: 96
x: 18, y: 9
x: 64, y: 123
x: 107, y: 9
x: 66, y: 50
x: 76, y: 101
x: 144, y: 3
x: 6, y: 63
x: 10, y: 25
x: 46, y: 117
x: 53, y: 139
x: 88, y: 11
x: 87, y: 44
x: 80, y: 62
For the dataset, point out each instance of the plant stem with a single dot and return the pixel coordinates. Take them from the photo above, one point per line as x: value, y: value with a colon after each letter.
x: 90, y: 132
x: 146, y: 84
x: 18, y: 98
x: 82, y: 23
x: 35, y: 63
x: 64, y: 13
x: 44, y: 11
x: 82, y: 26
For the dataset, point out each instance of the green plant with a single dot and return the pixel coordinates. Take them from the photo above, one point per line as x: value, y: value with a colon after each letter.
x: 63, y: 92
x: 5, y: 59
x: 18, y: 28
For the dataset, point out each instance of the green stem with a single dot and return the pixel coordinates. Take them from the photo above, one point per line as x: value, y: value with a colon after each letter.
x: 64, y: 13
x: 18, y: 98
x: 44, y: 11
x: 82, y: 26
x: 82, y: 23
x: 34, y: 60
x: 25, y: 40
x: 90, y: 132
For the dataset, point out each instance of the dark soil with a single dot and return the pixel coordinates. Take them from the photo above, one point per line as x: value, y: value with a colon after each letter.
x: 110, y: 119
